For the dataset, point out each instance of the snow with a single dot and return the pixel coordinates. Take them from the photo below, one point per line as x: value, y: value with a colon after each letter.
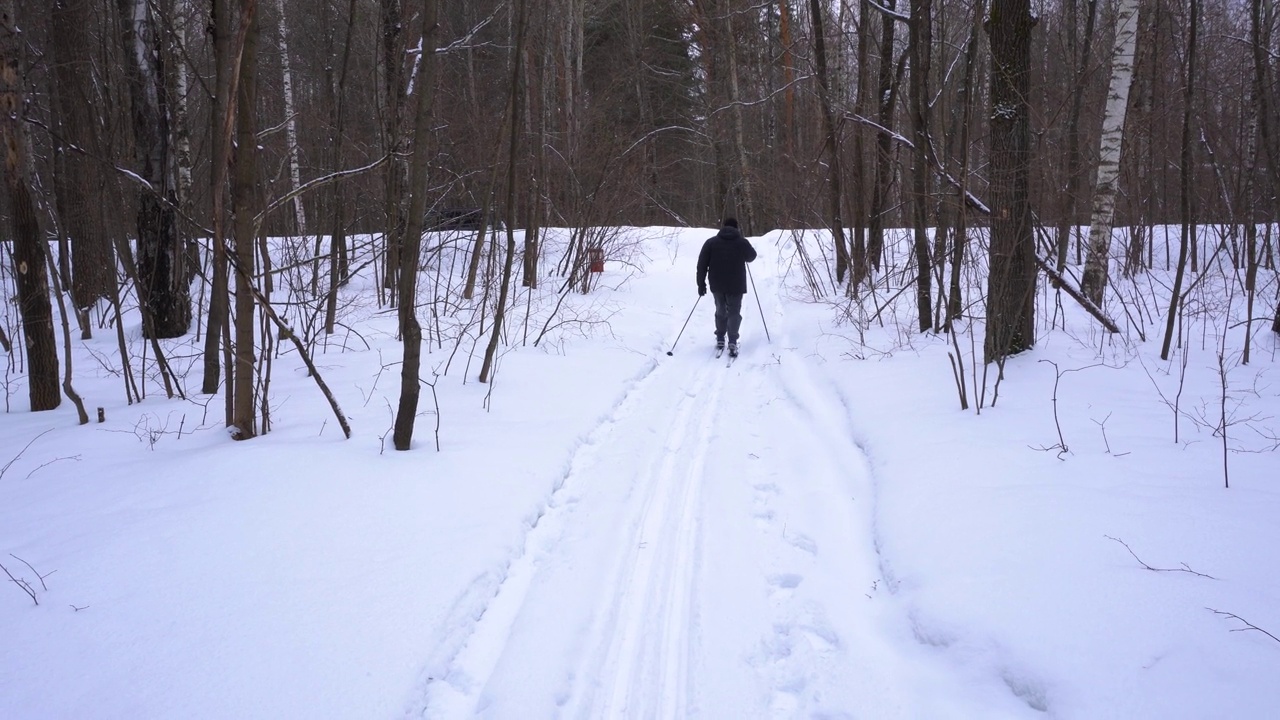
x: 608, y: 532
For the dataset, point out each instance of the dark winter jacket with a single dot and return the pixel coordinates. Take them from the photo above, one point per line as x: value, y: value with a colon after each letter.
x: 724, y: 258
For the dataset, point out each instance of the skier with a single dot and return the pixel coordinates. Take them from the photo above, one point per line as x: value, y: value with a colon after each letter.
x: 724, y: 260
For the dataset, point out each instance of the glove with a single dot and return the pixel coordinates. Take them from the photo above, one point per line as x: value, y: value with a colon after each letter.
x: 701, y: 291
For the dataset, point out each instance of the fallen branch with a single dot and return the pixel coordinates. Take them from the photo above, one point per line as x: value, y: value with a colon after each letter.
x: 1247, y: 625
x: 26, y: 587
x: 5, y: 468
x: 1061, y: 283
x: 1184, y: 567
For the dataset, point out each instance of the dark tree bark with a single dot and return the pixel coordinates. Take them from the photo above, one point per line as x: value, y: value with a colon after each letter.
x: 411, y: 243
x: 920, y: 47
x: 1186, y: 237
x: 1260, y: 39
x: 217, y: 330
x: 1011, y: 283
x: 30, y: 266
x: 244, y: 209
x: 886, y: 93
x: 1067, y: 221
x: 79, y: 179
x: 163, y: 286
x: 513, y: 109
x: 816, y: 13
x: 393, y: 141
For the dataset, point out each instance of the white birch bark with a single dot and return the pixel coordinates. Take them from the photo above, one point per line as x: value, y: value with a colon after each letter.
x: 291, y: 123
x: 1094, y: 282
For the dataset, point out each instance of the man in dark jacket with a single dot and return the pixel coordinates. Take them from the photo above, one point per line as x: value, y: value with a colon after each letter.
x: 724, y: 260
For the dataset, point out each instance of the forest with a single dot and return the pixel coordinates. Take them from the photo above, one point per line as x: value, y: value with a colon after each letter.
x: 216, y: 173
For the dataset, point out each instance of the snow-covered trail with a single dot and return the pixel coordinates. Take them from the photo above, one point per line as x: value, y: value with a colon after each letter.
x: 691, y: 566
x: 710, y: 553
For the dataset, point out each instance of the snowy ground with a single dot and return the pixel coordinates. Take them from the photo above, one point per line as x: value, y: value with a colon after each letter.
x: 609, y: 532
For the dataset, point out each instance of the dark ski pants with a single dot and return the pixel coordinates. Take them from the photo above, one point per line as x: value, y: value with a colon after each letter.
x: 728, y: 315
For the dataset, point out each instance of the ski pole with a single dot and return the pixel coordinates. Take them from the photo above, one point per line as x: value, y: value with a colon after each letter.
x: 686, y: 324
x: 753, y: 292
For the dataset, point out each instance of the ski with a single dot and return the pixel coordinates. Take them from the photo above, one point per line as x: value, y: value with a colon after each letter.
x: 719, y: 352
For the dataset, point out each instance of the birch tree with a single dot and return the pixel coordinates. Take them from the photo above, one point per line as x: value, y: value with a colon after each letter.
x: 1094, y: 282
x: 290, y: 121
x: 162, y: 279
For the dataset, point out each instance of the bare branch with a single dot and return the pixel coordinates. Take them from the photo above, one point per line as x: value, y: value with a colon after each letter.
x: 1247, y: 625
x: 1184, y: 567
x: 26, y: 588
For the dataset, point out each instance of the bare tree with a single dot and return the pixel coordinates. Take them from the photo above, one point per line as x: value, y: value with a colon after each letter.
x: 1094, y: 282
x: 1186, y: 237
x: 244, y: 208
x: 79, y: 177
x: 920, y: 48
x: 411, y: 243
x: 162, y: 278
x: 513, y: 109
x: 1012, y: 279
x: 30, y: 267
x: 832, y: 138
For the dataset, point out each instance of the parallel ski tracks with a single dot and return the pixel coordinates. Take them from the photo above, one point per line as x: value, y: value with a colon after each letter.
x: 634, y: 661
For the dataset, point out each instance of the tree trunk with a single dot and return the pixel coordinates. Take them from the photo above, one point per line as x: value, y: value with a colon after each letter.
x: 513, y: 109
x: 393, y: 141
x: 886, y: 89
x: 163, y: 287
x: 217, y: 329
x: 816, y: 12
x: 338, y: 235
x: 80, y: 178
x: 290, y: 122
x: 1187, y: 235
x: 244, y: 208
x: 1011, y: 283
x: 960, y: 132
x: 411, y: 243
x: 1067, y: 222
x: 1094, y: 282
x: 920, y: 48
x: 30, y: 266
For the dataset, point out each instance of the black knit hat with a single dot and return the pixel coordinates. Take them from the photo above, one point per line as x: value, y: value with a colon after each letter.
x: 730, y: 222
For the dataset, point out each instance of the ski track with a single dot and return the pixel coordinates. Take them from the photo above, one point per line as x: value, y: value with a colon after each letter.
x: 688, y: 565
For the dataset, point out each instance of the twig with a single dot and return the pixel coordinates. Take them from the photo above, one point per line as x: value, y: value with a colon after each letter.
x: 26, y: 588
x: 5, y: 469
x: 1184, y: 567
x: 37, y: 572
x: 1247, y: 625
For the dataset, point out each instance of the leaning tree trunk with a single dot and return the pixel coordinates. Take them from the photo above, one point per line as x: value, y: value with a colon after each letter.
x: 513, y: 109
x: 30, y: 267
x: 163, y: 287
x: 1094, y: 282
x: 411, y: 243
x: 1011, y: 283
x: 832, y: 139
